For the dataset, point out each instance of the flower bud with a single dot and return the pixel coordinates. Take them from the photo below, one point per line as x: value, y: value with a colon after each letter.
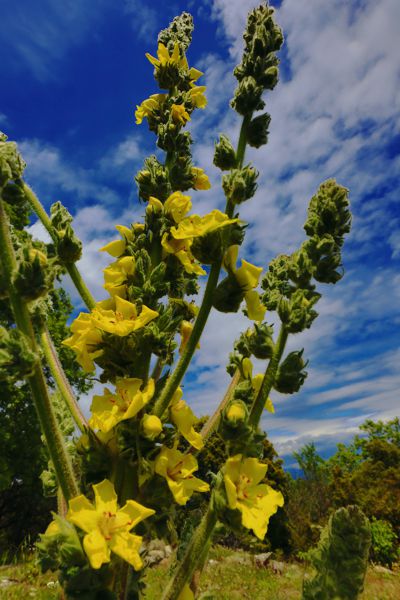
x: 69, y: 247
x: 236, y: 413
x: 228, y: 295
x: 260, y: 342
x: 224, y: 154
x: 11, y: 164
x: 151, y: 426
x: 240, y: 184
x: 291, y: 375
x: 247, y: 97
x: 257, y: 130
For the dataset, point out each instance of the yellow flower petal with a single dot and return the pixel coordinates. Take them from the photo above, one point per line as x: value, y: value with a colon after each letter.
x: 269, y: 406
x: 135, y: 513
x: 114, y: 248
x: 82, y: 513
x: 178, y: 468
x: 248, y: 275
x: 96, y: 549
x: 255, y: 308
x: 105, y: 496
x: 196, y: 226
x: 201, y: 181
x: 183, y: 418
x: 127, y: 546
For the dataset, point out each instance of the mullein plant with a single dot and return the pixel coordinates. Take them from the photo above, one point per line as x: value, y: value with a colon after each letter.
x: 136, y: 457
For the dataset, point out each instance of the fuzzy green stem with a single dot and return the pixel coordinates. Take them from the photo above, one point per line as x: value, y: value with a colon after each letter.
x: 72, y: 269
x: 61, y: 379
x: 269, y: 378
x: 41, y: 398
x: 241, y: 147
x: 184, y: 361
x: 193, y: 555
x: 213, y: 421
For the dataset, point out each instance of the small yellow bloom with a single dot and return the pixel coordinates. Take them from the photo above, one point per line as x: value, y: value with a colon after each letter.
x: 152, y: 426
x: 186, y: 331
x: 179, y: 114
x: 117, y: 274
x: 107, y: 527
x: 181, y: 249
x: 84, y: 341
x: 164, y: 58
x: 256, y: 383
x: 154, y: 205
x: 149, y: 107
x: 183, y: 418
x: 110, y: 409
x: 197, y: 97
x: 236, y: 412
x: 257, y: 502
x: 124, y: 319
x: 117, y: 247
x: 201, y: 181
x: 196, y: 226
x: 194, y: 74
x: 178, y: 469
x: 247, y: 276
x: 177, y: 205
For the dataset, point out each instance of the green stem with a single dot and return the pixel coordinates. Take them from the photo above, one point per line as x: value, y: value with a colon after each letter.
x: 269, y: 378
x: 241, y: 147
x: 72, y: 269
x: 61, y: 379
x: 213, y: 421
x: 194, y: 553
x: 184, y: 361
x: 41, y: 398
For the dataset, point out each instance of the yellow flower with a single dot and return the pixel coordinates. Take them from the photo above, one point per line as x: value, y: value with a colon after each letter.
x: 177, y: 205
x: 164, y: 58
x: 178, y: 468
x: 197, y: 97
x: 247, y: 276
x: 257, y: 502
x: 108, y: 528
x: 124, y: 319
x: 154, y: 205
x: 110, y: 409
x: 186, y: 331
x: 84, y: 341
x: 148, y: 107
x: 181, y: 249
x: 117, y: 274
x: 179, y: 114
x: 183, y: 418
x: 196, y: 226
x: 152, y: 426
x: 117, y: 247
x: 201, y: 181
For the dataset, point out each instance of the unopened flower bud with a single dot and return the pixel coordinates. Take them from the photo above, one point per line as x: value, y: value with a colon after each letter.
x: 236, y: 413
x: 151, y: 426
x: 240, y: 184
x: 257, y: 130
x: 291, y: 374
x: 224, y: 154
x: 248, y: 96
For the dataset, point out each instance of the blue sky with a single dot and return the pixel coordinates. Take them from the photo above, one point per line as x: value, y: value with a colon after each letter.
x: 73, y: 75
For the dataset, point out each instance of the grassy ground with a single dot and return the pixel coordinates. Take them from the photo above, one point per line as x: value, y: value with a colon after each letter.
x: 228, y: 576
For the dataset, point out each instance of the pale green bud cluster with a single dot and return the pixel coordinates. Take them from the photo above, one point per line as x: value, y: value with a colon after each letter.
x: 258, y: 70
x: 11, y: 164
x: 17, y: 360
x: 69, y: 247
x: 341, y: 558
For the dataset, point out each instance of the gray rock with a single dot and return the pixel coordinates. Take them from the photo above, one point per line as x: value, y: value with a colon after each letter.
x: 261, y: 560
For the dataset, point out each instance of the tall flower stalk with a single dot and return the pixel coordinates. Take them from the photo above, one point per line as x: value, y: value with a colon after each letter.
x: 136, y: 455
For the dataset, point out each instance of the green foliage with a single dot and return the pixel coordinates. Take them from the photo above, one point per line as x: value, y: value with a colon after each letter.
x: 341, y: 557
x: 384, y: 544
